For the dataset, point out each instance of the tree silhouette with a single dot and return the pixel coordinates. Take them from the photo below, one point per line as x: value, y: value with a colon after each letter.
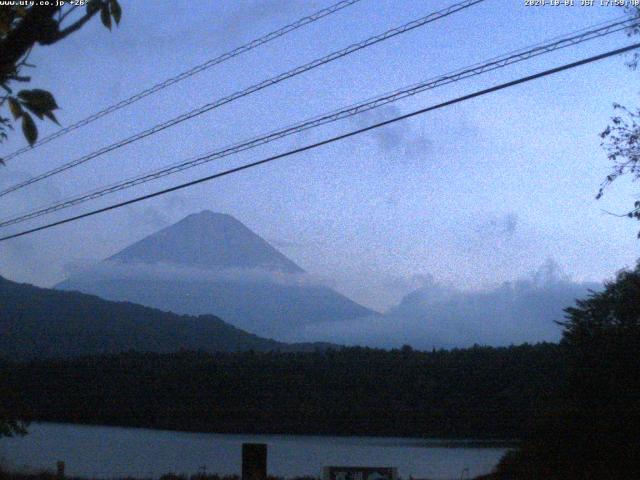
x: 621, y: 138
x: 591, y: 429
x: 21, y: 28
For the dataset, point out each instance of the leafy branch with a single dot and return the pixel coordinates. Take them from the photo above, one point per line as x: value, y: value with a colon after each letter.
x: 21, y: 29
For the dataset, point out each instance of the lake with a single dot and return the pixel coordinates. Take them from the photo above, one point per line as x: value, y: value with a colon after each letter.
x: 107, y: 452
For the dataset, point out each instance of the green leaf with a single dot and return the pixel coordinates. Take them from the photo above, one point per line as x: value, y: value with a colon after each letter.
x: 116, y: 11
x: 92, y: 6
x: 14, y: 107
x: 52, y: 117
x: 105, y: 15
x: 38, y: 114
x: 29, y: 128
x: 38, y: 100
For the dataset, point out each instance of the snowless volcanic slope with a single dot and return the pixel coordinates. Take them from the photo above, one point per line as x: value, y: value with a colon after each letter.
x: 207, y: 240
x: 210, y: 263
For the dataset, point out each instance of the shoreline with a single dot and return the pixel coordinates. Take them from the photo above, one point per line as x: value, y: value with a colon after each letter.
x: 425, y: 442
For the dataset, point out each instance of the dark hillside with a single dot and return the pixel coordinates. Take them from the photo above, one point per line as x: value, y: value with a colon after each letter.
x: 38, y: 322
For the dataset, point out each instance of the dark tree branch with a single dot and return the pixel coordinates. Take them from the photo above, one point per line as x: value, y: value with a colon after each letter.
x: 74, y: 26
x: 36, y: 25
x: 41, y: 24
x: 65, y: 14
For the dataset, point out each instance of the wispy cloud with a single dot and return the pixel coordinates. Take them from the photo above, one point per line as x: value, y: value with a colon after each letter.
x: 165, y: 271
x: 394, y: 138
x: 160, y: 215
x: 501, y: 225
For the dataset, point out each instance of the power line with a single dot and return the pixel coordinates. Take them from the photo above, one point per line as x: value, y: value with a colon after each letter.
x: 254, y: 88
x: 493, y: 64
x: 312, y: 146
x: 188, y: 73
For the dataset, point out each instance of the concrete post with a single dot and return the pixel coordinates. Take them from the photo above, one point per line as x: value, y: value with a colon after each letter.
x: 254, y: 461
x: 60, y: 470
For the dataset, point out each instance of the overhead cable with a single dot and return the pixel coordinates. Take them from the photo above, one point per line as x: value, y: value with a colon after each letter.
x: 315, y: 145
x: 396, y: 95
x: 432, y: 17
x: 187, y: 74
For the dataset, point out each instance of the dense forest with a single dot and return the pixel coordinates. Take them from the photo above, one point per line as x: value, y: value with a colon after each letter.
x: 476, y: 392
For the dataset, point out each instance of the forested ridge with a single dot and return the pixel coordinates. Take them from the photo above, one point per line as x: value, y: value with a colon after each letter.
x: 480, y: 392
x: 41, y: 322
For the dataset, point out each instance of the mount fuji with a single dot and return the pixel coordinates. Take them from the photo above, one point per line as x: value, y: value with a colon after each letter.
x: 210, y: 263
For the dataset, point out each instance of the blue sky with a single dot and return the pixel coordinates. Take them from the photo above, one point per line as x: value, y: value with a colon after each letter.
x: 472, y: 195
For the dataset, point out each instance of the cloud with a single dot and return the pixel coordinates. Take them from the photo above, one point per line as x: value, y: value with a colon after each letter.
x: 503, y: 226
x: 397, y: 137
x: 260, y: 11
x: 400, y: 286
x: 236, y: 23
x: 440, y: 316
x: 411, y: 283
x: 166, y: 271
x: 510, y: 223
x: 155, y: 217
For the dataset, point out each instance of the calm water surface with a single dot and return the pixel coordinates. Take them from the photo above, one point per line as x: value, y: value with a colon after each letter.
x: 107, y: 452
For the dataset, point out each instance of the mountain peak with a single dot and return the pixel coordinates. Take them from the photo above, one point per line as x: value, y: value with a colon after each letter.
x: 205, y: 215
x: 218, y: 247
x: 207, y: 240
